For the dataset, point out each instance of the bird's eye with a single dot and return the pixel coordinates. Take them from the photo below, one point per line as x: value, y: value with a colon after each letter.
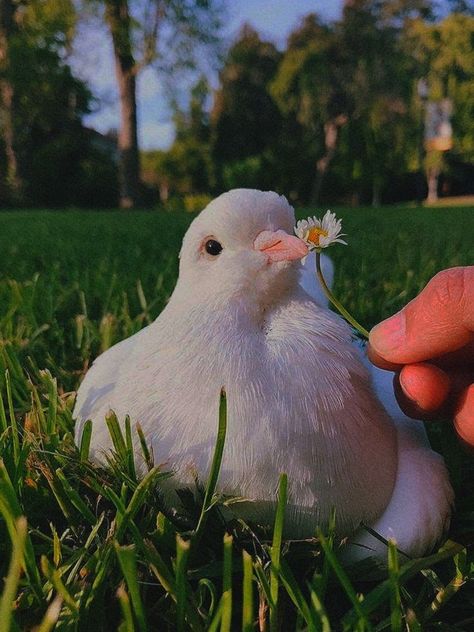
x: 213, y: 247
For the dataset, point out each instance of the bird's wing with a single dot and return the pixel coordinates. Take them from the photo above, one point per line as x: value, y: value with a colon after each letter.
x: 419, y: 510
x: 309, y: 281
x: 418, y: 514
x: 95, y: 394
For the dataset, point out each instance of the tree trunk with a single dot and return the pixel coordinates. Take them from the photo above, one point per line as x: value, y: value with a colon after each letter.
x: 118, y: 18
x: 7, y: 100
x: 376, y: 190
x: 433, y: 175
x: 331, y: 134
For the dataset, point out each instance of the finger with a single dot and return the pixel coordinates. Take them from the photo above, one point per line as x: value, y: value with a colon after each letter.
x: 438, y: 321
x: 463, y: 357
x: 379, y: 361
x: 426, y: 386
x: 464, y: 417
x: 424, y: 391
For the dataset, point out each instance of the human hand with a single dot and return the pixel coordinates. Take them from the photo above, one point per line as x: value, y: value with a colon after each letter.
x: 430, y: 344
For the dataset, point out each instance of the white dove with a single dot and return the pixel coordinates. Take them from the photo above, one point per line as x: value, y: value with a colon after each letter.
x: 301, y: 398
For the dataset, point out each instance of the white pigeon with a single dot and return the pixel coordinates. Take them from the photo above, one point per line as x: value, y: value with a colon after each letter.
x: 246, y: 316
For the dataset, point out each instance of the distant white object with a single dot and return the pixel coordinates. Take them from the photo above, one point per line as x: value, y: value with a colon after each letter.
x: 309, y: 282
x: 301, y: 398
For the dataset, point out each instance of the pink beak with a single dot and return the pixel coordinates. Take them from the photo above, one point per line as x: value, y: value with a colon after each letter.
x: 279, y: 246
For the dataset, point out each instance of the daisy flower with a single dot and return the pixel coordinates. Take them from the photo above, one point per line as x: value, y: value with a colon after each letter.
x: 320, y: 233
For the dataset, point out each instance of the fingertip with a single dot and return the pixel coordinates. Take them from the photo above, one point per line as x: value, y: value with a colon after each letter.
x: 425, y: 385
x: 379, y: 361
x: 464, y: 416
x: 386, y: 338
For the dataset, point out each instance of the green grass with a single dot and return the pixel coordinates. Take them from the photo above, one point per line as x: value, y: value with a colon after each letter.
x: 98, y: 550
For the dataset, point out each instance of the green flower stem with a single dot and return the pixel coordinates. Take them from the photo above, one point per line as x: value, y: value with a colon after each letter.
x: 342, y: 310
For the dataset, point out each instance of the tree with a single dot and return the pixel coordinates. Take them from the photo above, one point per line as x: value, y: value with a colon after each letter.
x: 245, y: 120
x: 39, y: 27
x: 186, y: 168
x: 58, y: 161
x: 309, y: 87
x: 166, y: 33
x: 444, y: 57
x: 8, y: 32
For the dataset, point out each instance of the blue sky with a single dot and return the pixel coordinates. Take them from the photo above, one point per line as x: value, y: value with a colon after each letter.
x: 93, y: 61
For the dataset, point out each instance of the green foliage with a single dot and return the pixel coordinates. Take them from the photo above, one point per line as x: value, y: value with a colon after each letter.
x: 336, y: 113
x: 196, y: 203
x: 99, y: 549
x: 445, y: 56
x: 245, y: 119
x: 248, y: 173
x: 60, y: 162
x: 186, y: 168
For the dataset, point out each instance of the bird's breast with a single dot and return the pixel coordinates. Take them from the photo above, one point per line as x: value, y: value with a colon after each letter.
x: 299, y: 401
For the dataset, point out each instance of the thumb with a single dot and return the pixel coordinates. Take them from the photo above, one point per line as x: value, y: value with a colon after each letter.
x: 439, y: 320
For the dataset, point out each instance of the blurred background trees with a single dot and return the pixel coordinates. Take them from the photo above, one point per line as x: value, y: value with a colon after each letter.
x: 337, y: 114
x: 47, y: 157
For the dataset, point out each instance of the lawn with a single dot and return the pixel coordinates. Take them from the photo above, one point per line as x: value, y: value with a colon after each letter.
x: 98, y: 551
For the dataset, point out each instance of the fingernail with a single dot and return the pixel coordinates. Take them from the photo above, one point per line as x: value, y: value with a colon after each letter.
x: 388, y: 335
x: 408, y: 388
x: 425, y: 385
x: 464, y: 417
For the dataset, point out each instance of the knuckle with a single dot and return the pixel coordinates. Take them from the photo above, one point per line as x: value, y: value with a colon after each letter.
x: 448, y: 286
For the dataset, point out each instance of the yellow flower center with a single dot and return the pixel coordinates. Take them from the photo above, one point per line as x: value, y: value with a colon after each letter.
x: 315, y: 233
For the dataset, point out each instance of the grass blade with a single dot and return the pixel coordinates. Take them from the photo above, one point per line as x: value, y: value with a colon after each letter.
x: 446, y: 592
x: 51, y: 616
x: 382, y: 592
x: 291, y: 586
x: 137, y: 499
x: 54, y: 576
x: 14, y: 573
x: 276, y: 549
x: 320, y: 610
x: 53, y: 406
x: 166, y: 579
x: 394, y: 577
x: 130, y: 453
x: 215, y: 466
x: 264, y: 586
x: 144, y: 446
x: 13, y: 422
x: 216, y: 619
x: 11, y: 511
x: 182, y: 554
x: 85, y: 445
x: 226, y: 620
x: 74, y: 498
x: 247, y: 593
x: 323, y: 580
x: 363, y: 622
x: 3, y: 416
x: 116, y: 435
x: 128, y: 563
x: 124, y: 600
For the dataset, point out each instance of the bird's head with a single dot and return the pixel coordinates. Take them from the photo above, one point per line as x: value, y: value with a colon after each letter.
x: 241, y: 245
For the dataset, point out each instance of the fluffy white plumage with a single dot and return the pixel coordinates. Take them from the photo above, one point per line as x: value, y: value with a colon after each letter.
x: 300, y: 395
